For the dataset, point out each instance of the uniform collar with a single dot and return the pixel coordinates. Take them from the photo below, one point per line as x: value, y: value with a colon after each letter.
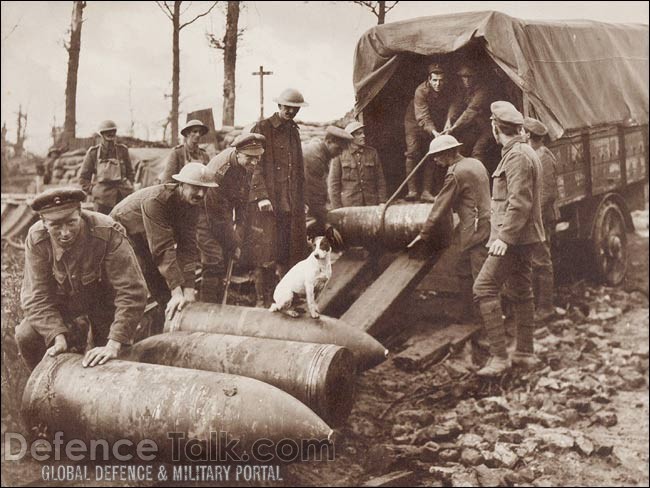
x: 277, y: 121
x: 508, y: 147
x: 354, y: 148
x: 81, y: 238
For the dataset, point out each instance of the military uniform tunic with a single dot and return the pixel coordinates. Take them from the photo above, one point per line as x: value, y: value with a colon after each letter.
x: 356, y: 178
x: 179, y: 157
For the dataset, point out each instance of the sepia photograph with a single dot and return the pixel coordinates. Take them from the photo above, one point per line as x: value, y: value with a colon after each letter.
x: 325, y: 243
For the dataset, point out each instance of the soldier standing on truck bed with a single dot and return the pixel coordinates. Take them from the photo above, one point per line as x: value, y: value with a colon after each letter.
x: 425, y: 119
x: 516, y: 229
x: 543, y: 279
x: 111, y: 165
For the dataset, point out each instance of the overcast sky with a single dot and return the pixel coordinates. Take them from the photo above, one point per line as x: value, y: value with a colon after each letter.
x: 307, y: 45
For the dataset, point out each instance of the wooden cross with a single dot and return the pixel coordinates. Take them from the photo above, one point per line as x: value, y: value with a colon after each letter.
x: 261, y: 74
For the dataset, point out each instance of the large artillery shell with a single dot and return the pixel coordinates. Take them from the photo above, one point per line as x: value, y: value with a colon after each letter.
x: 362, y: 226
x: 319, y: 375
x: 259, y: 322
x: 134, y: 401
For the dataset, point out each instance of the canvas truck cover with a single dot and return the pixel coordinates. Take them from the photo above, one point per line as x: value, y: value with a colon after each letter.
x: 574, y: 73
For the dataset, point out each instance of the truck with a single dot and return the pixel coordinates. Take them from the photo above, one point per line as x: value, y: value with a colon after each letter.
x: 586, y: 81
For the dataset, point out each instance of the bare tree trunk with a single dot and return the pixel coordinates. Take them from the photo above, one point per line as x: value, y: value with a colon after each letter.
x: 381, y: 15
x: 176, y: 73
x: 74, y: 48
x: 229, y: 63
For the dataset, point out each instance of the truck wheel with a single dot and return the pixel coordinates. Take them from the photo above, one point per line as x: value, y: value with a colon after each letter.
x: 610, y: 244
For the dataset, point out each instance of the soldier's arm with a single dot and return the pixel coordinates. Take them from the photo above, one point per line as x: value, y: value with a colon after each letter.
x: 442, y: 206
x: 519, y: 174
x: 422, y: 114
x: 334, y: 183
x: 187, y: 251
x: 258, y: 183
x: 549, y: 164
x: 381, y: 181
x: 87, y: 170
x: 171, y: 167
x: 477, y: 104
x: 162, y: 244
x: 219, y: 215
x: 123, y: 273
x: 38, y: 294
x: 128, y: 166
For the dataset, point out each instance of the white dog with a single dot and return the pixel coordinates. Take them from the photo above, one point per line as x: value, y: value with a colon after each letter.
x: 306, y: 279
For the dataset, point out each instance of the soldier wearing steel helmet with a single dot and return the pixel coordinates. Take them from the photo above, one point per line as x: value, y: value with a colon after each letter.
x: 278, y: 191
x: 110, y: 164
x: 161, y: 220
x: 466, y: 191
x: 81, y: 275
x: 186, y: 152
x: 516, y: 230
x: 219, y: 236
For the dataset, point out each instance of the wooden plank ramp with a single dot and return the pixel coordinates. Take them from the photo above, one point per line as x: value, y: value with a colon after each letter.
x: 397, y: 281
x: 347, y: 271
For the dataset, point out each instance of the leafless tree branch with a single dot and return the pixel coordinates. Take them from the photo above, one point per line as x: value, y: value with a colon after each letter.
x: 165, y: 9
x: 369, y: 5
x: 198, y: 16
x: 388, y: 9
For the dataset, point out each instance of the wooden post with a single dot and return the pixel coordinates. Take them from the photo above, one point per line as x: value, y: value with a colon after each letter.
x: 261, y: 74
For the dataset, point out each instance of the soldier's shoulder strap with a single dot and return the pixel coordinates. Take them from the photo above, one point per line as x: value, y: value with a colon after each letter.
x: 37, y: 233
x: 102, y: 226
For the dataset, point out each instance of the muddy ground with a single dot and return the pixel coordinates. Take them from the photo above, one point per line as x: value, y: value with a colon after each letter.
x: 579, y: 419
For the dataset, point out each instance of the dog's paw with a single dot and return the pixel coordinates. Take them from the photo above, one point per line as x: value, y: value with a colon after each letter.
x: 314, y: 314
x: 274, y: 308
x: 293, y: 313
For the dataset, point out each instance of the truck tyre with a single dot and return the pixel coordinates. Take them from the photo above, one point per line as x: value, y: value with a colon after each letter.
x: 610, y: 244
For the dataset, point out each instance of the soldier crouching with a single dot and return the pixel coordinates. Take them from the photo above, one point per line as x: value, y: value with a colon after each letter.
x: 80, y: 270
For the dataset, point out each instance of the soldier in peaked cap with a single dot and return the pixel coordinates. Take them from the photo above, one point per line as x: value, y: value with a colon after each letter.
x: 466, y: 191
x: 425, y: 119
x: 356, y: 176
x: 189, y: 151
x: 219, y: 236
x: 80, y: 272
x: 318, y: 154
x: 516, y: 228
x: 543, y: 277
x: 278, y: 190
x: 110, y: 164
x: 160, y: 220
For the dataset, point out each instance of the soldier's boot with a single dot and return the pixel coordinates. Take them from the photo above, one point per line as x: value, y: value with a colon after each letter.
x: 493, y: 322
x: 260, y: 286
x: 427, y: 183
x: 524, y: 354
x: 545, y: 309
x: 211, y: 286
x: 412, y: 194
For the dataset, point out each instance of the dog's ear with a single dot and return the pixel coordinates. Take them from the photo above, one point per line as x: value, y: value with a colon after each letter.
x: 325, y: 244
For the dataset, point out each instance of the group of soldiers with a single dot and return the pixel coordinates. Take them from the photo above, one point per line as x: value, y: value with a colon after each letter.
x: 93, y: 271
x: 260, y: 198
x: 504, y: 234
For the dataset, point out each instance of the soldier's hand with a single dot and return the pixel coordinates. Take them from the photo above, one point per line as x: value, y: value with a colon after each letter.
x: 265, y: 205
x: 189, y: 294
x: 236, y: 254
x: 498, y: 248
x: 100, y: 355
x: 60, y: 346
x: 175, y: 303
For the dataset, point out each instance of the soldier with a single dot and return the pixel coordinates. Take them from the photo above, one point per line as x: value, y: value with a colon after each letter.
x: 218, y: 241
x: 467, y: 119
x: 356, y: 177
x: 516, y: 228
x: 318, y: 154
x: 278, y: 190
x: 466, y: 190
x: 80, y: 270
x: 160, y: 220
x: 111, y: 165
x: 425, y: 119
x: 543, y: 281
x: 184, y: 153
